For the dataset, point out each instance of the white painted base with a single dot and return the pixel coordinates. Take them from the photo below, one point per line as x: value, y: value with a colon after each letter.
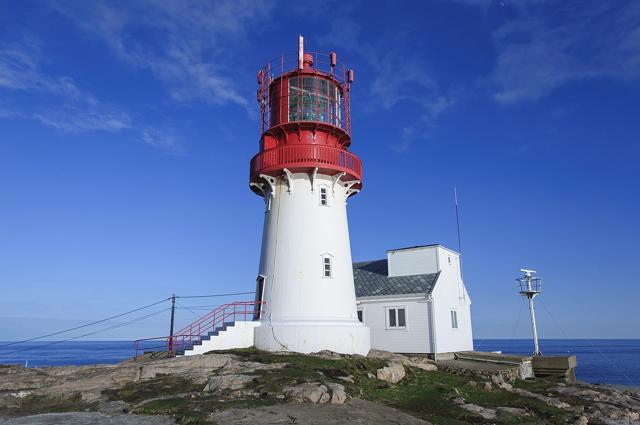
x: 346, y: 337
x: 240, y: 335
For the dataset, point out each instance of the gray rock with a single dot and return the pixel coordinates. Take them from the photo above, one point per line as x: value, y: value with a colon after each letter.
x: 421, y: 363
x: 387, y: 355
x: 355, y: 412
x: 506, y: 386
x: 392, y: 373
x: 551, y: 401
x: 87, y: 418
x: 514, y: 411
x: 348, y: 379
x: 487, y: 386
x: 309, y: 392
x: 327, y: 354
x: 338, y: 394
x: 497, y: 379
x: 227, y: 382
x: 418, y: 362
x: 582, y: 420
x: 474, y: 408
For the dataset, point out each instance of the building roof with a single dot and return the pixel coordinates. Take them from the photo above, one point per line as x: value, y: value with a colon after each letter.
x: 372, y: 279
x: 424, y: 246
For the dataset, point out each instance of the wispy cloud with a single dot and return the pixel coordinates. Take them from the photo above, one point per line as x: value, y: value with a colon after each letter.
x: 401, y: 77
x: 190, y: 49
x: 550, y: 44
x: 58, y: 102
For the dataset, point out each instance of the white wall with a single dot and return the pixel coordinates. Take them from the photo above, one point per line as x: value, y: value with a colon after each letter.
x: 413, y: 339
x: 406, y: 262
x: 450, y: 294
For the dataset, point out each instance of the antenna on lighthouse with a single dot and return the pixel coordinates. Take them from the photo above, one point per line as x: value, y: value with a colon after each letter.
x: 300, y: 51
x: 530, y: 286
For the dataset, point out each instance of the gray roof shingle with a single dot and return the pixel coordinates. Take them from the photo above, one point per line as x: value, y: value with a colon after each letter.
x: 371, y: 279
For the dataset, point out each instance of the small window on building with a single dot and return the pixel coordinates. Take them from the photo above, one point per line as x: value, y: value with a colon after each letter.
x: 360, y: 316
x: 326, y: 265
x: 397, y: 318
x: 454, y: 319
x: 323, y: 196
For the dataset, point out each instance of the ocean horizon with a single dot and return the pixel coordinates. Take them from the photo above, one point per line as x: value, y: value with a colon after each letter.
x: 600, y: 361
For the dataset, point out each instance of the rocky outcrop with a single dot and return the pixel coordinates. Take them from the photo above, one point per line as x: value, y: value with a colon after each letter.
x: 316, y: 392
x: 392, y: 373
x: 413, y: 361
x: 231, y: 382
x: 486, y: 413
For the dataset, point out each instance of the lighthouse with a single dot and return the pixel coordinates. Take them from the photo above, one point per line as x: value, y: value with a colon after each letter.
x: 305, y: 173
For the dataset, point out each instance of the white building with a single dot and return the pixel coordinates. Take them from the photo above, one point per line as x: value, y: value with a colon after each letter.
x: 415, y: 301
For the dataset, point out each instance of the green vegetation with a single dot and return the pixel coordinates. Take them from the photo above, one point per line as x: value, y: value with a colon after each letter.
x: 33, y: 405
x: 135, y: 392
x: 189, y: 411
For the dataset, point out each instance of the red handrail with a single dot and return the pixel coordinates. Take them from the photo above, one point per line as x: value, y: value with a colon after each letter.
x: 192, y: 333
x: 302, y: 156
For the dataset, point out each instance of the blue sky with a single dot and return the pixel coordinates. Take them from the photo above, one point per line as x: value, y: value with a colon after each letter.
x: 126, y: 130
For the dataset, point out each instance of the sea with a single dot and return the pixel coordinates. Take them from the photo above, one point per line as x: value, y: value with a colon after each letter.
x: 600, y: 361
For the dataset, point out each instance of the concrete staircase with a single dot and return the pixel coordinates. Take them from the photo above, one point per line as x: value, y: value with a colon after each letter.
x: 238, y: 334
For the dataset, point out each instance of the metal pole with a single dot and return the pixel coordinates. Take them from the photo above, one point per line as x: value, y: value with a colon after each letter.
x: 455, y: 195
x: 531, y: 295
x: 173, y: 315
x: 536, y: 349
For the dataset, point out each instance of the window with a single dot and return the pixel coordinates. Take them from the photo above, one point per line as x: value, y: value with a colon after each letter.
x: 397, y: 318
x: 454, y: 319
x: 360, y: 316
x: 314, y: 99
x: 323, y: 196
x: 326, y: 264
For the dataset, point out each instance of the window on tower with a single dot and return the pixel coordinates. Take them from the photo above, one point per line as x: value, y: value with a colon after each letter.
x: 326, y: 266
x: 314, y: 99
x: 323, y: 196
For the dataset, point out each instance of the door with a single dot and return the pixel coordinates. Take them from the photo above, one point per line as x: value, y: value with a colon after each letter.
x: 259, y: 298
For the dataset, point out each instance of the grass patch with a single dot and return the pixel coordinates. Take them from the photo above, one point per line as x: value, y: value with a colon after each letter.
x: 36, y: 404
x: 430, y: 395
x: 135, y: 392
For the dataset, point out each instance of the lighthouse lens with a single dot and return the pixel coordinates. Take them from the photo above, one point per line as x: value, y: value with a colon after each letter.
x: 314, y: 99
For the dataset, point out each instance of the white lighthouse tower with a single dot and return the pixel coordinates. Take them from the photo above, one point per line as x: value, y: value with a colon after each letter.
x: 305, y: 174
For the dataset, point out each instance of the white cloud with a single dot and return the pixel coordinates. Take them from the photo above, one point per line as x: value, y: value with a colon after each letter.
x: 59, y: 103
x: 401, y: 77
x: 187, y: 45
x: 545, y: 48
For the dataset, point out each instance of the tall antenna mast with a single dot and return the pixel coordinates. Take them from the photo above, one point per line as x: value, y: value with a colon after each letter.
x: 455, y: 196
x: 531, y: 286
x: 462, y: 293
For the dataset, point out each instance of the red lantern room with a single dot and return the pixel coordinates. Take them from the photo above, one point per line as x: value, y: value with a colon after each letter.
x: 305, y: 118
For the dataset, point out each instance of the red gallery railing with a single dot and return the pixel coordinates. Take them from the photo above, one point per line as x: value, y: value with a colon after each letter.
x: 306, y: 156
x: 186, y: 337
